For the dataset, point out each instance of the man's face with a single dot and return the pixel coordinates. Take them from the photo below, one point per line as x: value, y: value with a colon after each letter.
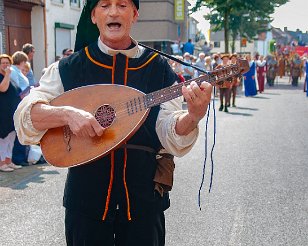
x: 31, y: 54
x: 114, y: 19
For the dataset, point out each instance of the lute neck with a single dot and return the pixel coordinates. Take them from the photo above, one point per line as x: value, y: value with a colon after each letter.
x: 216, y: 77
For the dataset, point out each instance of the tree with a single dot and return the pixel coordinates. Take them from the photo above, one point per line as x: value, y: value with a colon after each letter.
x: 233, y: 15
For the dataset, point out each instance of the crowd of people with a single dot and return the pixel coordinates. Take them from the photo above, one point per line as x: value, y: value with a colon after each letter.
x: 16, y: 81
x: 262, y: 70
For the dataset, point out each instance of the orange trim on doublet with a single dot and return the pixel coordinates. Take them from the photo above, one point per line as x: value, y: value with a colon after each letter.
x: 96, y: 62
x: 143, y: 65
x: 125, y: 185
x: 113, y: 68
x: 125, y: 157
x: 125, y: 75
x: 112, y: 154
x: 110, y: 186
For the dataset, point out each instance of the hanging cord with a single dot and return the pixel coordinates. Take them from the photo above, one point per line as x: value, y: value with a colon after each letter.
x: 204, y: 163
x: 212, y: 150
x: 214, y: 142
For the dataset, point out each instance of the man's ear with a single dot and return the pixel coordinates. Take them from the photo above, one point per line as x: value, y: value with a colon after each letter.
x: 136, y: 15
x: 93, y: 16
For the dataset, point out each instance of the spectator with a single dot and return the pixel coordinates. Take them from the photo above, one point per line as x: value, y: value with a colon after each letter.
x: 206, y: 49
x: 189, y: 47
x: 67, y: 52
x: 9, y: 100
x: 57, y: 58
x: 208, y: 63
x: 176, y: 49
x: 216, y: 60
x: 25, y: 70
x: 17, y: 77
x: 20, y: 152
x: 201, y: 62
x: 29, y: 50
x: 188, y: 72
x: 178, y: 68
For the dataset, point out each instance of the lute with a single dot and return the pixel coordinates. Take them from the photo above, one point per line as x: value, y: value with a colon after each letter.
x: 121, y: 115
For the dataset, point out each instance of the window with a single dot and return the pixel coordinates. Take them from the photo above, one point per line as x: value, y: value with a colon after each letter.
x: 243, y: 42
x: 75, y: 3
x: 63, y: 33
x: 216, y: 44
x: 57, y: 1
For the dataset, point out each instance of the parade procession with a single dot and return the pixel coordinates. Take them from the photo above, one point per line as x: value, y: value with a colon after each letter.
x: 153, y: 123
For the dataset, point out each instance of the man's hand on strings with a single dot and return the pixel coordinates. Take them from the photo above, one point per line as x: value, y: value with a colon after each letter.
x: 198, y: 99
x: 83, y: 124
x: 80, y: 122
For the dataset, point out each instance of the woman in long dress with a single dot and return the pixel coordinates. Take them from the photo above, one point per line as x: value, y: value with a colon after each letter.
x: 261, y: 71
x: 249, y: 78
x: 306, y: 79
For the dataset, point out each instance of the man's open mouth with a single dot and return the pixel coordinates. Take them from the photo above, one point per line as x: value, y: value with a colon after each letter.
x: 114, y: 25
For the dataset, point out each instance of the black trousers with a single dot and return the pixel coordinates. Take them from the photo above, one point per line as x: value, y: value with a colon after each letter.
x: 82, y: 230
x: 20, y: 153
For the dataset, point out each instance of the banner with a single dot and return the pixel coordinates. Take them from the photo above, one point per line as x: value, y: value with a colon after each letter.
x: 301, y: 50
x: 179, y: 10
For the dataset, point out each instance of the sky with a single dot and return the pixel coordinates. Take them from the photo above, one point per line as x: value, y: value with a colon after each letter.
x: 292, y: 15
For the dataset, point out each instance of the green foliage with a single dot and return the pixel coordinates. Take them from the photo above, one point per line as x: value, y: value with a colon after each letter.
x: 245, y: 18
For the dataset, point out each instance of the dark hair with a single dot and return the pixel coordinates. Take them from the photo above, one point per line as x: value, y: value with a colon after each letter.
x: 27, y: 48
x: 66, y: 50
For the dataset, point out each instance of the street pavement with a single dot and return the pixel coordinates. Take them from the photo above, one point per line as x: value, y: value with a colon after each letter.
x: 260, y: 186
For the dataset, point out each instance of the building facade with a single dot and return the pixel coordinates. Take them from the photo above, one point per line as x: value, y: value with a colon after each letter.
x: 259, y: 44
x: 168, y: 22
x: 50, y: 25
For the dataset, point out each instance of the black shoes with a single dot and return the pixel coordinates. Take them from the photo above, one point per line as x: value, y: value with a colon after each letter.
x: 222, y: 107
x: 41, y: 161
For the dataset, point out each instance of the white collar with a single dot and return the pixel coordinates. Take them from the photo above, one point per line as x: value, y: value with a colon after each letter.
x: 134, y: 52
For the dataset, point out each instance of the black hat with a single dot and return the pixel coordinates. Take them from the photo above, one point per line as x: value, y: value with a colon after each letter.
x: 87, y: 32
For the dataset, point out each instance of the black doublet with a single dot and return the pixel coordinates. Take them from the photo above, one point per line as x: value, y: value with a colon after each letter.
x: 87, y: 186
